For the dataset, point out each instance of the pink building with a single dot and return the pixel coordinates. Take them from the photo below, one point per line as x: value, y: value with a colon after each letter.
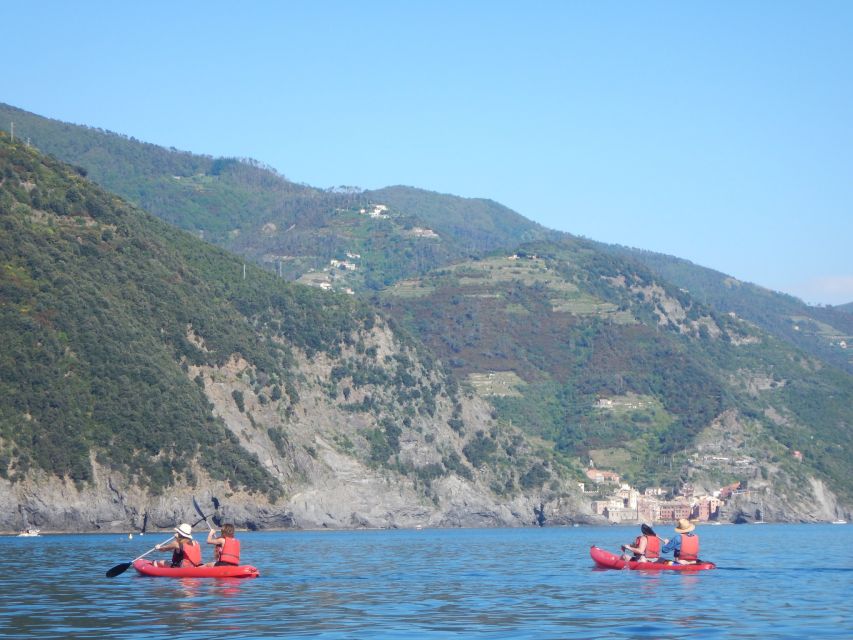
x: 672, y: 511
x: 599, y: 476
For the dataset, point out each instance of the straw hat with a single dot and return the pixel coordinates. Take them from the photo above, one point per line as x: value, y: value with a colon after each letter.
x: 186, y: 530
x: 684, y: 526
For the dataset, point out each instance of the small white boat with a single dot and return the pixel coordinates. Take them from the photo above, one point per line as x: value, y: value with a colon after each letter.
x: 30, y: 533
x: 839, y: 522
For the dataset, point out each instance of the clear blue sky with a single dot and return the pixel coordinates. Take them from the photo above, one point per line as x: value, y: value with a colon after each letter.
x: 718, y: 132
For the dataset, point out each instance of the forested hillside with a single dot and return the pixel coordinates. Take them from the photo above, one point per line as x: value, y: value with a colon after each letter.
x: 821, y: 331
x: 139, y: 361
x: 605, y: 360
x: 641, y: 362
x: 97, y: 301
x: 348, y: 239
x: 292, y: 229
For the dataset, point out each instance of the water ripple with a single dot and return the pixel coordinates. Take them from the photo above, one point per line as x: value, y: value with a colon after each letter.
x: 437, y: 584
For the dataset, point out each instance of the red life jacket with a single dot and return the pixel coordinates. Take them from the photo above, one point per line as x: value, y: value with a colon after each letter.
x: 189, y: 555
x: 689, y: 547
x: 652, y: 548
x: 230, y: 551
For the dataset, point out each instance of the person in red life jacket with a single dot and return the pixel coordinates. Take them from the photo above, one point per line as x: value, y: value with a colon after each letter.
x: 646, y: 547
x: 186, y: 552
x: 227, y: 551
x: 685, y: 544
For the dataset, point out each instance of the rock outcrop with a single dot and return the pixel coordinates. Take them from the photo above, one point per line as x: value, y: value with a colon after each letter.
x: 320, y: 441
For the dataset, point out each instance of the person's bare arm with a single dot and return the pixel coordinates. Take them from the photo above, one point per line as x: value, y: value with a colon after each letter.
x: 169, y: 546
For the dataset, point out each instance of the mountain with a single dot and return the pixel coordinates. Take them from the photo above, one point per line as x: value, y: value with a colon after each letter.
x: 845, y: 308
x: 292, y: 229
x: 586, y: 348
x: 599, y: 356
x: 362, y: 241
x: 820, y: 331
x: 141, y: 365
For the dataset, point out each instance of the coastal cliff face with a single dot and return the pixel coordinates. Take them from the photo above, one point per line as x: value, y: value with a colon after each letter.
x: 329, y: 450
x: 141, y: 366
x: 775, y: 486
x: 343, y: 503
x: 375, y: 437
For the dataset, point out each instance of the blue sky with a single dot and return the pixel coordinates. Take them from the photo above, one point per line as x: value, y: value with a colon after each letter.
x: 717, y: 132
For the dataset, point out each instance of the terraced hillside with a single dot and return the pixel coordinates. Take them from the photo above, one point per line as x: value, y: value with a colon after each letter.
x: 604, y: 360
x: 141, y: 365
x: 826, y: 332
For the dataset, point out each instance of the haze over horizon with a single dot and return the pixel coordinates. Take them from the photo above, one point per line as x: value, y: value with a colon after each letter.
x: 719, y: 134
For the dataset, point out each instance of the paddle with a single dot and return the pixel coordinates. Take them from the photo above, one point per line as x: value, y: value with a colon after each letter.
x: 201, y: 513
x: 124, y: 566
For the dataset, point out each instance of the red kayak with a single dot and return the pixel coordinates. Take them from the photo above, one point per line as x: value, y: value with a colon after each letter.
x: 147, y: 568
x: 612, y: 561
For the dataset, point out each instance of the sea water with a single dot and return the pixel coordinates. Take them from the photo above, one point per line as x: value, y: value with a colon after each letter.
x: 772, y: 581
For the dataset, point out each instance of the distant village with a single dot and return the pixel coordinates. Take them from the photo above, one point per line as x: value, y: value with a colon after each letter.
x: 627, y: 504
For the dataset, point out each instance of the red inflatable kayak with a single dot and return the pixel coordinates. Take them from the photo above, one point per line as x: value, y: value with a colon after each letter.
x: 612, y: 561
x: 147, y: 568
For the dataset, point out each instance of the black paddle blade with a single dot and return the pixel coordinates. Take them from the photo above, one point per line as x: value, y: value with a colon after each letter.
x: 118, y: 569
x: 198, y: 509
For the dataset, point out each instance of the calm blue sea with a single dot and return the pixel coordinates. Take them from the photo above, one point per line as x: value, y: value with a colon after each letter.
x: 773, y: 581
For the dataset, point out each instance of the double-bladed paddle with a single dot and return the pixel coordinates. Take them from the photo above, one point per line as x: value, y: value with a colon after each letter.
x: 201, y: 513
x: 124, y: 566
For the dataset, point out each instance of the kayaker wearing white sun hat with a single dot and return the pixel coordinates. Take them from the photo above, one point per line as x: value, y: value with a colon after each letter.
x: 186, y: 552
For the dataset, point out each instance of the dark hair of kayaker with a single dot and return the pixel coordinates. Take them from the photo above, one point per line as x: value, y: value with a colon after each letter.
x: 647, y: 530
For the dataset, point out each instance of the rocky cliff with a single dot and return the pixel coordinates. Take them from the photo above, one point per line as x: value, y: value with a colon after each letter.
x: 319, y: 441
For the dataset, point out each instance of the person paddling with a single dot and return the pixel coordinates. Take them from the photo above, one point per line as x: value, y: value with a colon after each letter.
x: 186, y: 552
x: 646, y: 547
x: 685, y: 544
x: 227, y: 551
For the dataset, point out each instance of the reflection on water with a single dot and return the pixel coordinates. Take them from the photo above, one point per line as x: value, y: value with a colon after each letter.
x: 435, y: 584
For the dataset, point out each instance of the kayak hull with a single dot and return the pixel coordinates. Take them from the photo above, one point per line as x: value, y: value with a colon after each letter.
x: 609, y: 560
x: 147, y: 568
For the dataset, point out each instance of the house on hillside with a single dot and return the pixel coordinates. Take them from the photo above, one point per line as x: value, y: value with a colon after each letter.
x: 598, y: 476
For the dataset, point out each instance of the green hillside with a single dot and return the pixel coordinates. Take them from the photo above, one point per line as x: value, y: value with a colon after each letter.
x: 819, y: 331
x: 298, y: 231
x: 616, y: 354
x: 600, y: 357
x: 292, y: 229
x: 97, y: 303
x: 131, y: 347
x: 482, y: 225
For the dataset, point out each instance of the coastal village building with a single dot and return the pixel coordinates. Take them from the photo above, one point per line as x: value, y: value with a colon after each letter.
x: 627, y: 504
x: 598, y: 476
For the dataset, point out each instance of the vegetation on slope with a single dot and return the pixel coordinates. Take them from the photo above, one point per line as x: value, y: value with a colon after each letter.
x: 820, y: 331
x: 97, y: 304
x: 581, y: 324
x: 292, y: 229
x: 114, y: 324
x: 601, y: 358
